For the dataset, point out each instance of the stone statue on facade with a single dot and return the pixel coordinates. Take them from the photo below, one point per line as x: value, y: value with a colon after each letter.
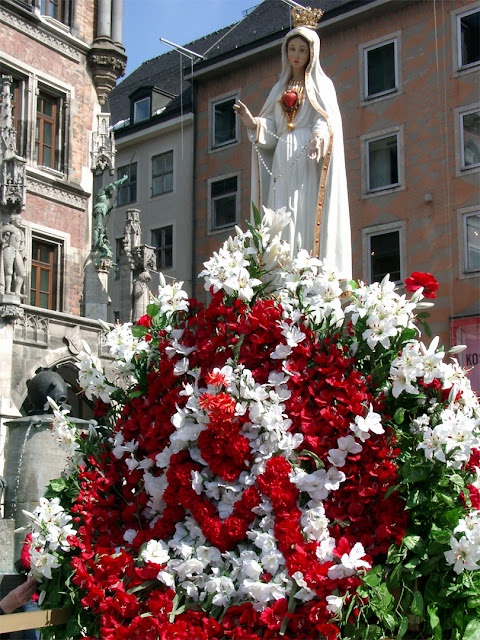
x: 103, y: 205
x: 12, y: 257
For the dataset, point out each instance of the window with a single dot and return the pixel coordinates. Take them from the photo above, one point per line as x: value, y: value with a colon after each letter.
x: 224, y: 129
x: 223, y: 197
x: 57, y: 9
x: 468, y: 26
x: 128, y: 191
x: 472, y: 242
x: 380, y: 63
x: 162, y: 173
x: 47, y: 131
x: 470, y: 136
x: 384, y: 256
x: 382, y: 163
x: 141, y: 110
x: 44, y: 274
x: 162, y: 240
x: 119, y: 249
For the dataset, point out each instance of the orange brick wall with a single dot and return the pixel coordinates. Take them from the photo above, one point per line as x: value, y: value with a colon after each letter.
x: 424, y: 107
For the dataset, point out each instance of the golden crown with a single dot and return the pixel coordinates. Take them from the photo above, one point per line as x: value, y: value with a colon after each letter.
x: 306, y: 17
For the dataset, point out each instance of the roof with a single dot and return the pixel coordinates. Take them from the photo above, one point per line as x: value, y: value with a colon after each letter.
x: 264, y: 23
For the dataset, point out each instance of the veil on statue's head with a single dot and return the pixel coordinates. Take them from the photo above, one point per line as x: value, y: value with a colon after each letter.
x: 318, y: 86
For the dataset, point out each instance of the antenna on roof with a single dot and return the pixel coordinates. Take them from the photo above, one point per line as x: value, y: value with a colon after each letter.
x: 294, y: 4
x: 186, y: 52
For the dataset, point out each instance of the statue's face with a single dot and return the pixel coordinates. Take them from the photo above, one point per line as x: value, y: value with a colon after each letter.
x: 298, y: 53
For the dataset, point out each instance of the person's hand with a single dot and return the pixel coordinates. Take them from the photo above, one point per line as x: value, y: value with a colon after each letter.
x: 245, y: 116
x: 316, y: 148
x: 18, y: 596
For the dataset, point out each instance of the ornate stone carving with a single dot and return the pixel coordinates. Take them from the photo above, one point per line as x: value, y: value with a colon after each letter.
x: 108, y: 61
x: 41, y: 35
x: 10, y: 312
x: 32, y: 329
x: 141, y: 259
x: 12, y: 259
x: 13, y: 167
x: 55, y: 193
x: 74, y: 340
x: 103, y: 145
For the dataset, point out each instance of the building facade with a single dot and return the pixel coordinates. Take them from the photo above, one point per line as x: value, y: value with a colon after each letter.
x: 59, y: 59
x: 153, y: 114
x: 408, y: 86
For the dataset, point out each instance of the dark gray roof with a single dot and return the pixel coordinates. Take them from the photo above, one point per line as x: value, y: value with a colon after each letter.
x: 266, y: 22
x: 161, y: 72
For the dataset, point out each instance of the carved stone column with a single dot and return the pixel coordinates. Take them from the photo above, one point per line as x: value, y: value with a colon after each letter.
x: 107, y: 57
x: 97, y: 298
x: 117, y: 20
x: 103, y: 145
x: 142, y: 260
x: 13, y: 168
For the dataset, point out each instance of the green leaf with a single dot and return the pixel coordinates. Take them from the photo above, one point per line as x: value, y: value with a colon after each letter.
x: 415, y: 544
x: 394, y: 577
x: 152, y: 310
x: 403, y: 628
x: 417, y: 604
x: 373, y: 577
x: 256, y: 215
x: 58, y: 484
x: 399, y: 415
x: 432, y: 610
x: 472, y: 631
x: 391, y: 490
x: 139, y: 331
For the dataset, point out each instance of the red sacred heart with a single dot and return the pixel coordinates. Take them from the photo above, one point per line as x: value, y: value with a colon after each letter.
x: 290, y: 98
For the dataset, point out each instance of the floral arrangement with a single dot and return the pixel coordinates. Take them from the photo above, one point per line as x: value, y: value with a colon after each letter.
x: 288, y: 461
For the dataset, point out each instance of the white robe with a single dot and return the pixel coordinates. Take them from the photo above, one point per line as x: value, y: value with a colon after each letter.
x: 298, y: 180
x: 295, y: 176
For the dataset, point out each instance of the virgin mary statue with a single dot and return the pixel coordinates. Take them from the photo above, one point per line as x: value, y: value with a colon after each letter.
x: 298, y: 158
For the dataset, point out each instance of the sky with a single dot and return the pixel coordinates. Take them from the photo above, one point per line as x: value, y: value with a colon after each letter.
x: 180, y: 21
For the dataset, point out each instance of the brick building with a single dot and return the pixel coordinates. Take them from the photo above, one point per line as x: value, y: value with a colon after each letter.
x: 408, y: 86
x: 59, y: 59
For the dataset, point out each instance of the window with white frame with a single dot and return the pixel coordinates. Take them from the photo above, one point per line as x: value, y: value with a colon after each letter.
x: 45, y: 273
x: 223, y: 202
x: 470, y: 138
x: 382, y: 162
x: 381, y: 69
x: 468, y: 38
x: 384, y: 255
x: 224, y: 123
x: 162, y: 240
x: 162, y: 173
x: 128, y: 191
x: 141, y: 110
x: 471, y: 234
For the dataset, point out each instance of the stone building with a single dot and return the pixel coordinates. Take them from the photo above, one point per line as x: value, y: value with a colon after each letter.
x: 59, y: 60
x: 152, y: 115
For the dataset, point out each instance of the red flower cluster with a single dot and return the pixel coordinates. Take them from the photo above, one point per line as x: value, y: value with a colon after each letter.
x: 425, y: 280
x: 327, y: 392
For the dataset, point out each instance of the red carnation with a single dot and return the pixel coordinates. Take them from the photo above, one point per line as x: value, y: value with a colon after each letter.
x: 425, y: 280
x: 145, y: 321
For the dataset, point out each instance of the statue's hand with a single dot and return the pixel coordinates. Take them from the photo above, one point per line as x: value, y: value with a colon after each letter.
x: 245, y: 115
x: 316, y: 148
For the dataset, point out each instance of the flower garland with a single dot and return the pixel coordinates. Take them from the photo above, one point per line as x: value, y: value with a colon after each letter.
x: 269, y: 466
